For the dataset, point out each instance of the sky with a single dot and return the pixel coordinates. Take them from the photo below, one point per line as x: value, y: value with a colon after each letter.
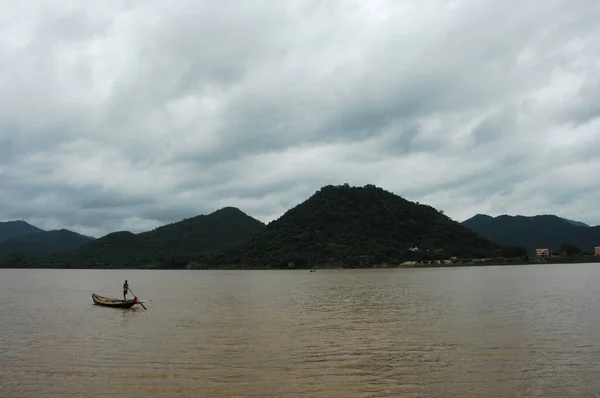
x: 126, y: 115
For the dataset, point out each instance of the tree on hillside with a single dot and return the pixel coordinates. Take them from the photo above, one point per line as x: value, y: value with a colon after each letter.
x: 511, y: 251
x: 569, y: 249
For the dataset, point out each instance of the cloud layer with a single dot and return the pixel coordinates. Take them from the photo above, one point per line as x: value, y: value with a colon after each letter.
x: 128, y: 115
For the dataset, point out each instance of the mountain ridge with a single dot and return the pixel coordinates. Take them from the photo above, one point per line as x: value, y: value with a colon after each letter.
x: 487, y: 216
x: 19, y: 236
x: 169, y: 246
x: 13, y: 229
x: 349, y: 226
x: 532, y: 232
x: 337, y: 225
x: 45, y: 242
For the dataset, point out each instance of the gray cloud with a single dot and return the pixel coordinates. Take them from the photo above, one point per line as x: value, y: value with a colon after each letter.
x: 585, y: 107
x: 126, y: 116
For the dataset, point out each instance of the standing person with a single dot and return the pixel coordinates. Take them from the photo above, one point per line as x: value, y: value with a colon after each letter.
x: 125, y: 290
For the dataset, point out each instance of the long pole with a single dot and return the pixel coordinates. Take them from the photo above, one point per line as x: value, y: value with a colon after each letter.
x: 142, y: 304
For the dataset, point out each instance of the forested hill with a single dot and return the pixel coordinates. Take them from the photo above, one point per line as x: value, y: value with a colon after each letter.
x: 543, y: 231
x: 45, y: 242
x: 169, y: 246
x: 20, y: 237
x: 354, y: 226
x: 13, y: 229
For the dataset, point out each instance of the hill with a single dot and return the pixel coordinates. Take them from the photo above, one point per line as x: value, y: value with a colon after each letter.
x: 13, y: 229
x: 577, y: 223
x: 354, y: 226
x: 544, y: 231
x: 45, y: 242
x: 169, y: 246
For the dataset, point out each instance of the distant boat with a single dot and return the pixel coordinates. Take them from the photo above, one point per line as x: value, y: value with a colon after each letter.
x: 113, y: 302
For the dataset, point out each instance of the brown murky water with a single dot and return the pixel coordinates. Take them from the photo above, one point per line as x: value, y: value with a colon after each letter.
x: 467, y: 332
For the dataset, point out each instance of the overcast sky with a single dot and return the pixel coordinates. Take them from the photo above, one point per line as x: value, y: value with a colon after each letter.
x: 125, y: 115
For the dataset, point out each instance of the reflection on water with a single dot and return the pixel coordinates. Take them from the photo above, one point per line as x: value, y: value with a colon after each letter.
x: 465, y: 332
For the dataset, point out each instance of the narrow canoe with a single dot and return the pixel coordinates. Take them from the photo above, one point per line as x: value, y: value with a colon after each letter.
x: 113, y: 302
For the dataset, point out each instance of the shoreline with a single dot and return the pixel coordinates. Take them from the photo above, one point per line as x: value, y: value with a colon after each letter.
x: 484, y: 262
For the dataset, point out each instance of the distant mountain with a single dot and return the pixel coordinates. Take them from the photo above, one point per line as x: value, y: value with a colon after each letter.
x: 477, y: 222
x: 577, y: 223
x: 12, y: 229
x: 45, y: 242
x: 22, y: 237
x: 544, y: 231
x: 169, y: 246
x: 354, y: 226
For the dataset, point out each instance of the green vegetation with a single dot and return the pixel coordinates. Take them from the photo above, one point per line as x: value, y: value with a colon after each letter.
x: 545, y: 231
x: 354, y: 227
x: 20, y: 242
x: 169, y: 246
x: 569, y: 249
x: 45, y: 242
x: 511, y: 251
x: 13, y: 229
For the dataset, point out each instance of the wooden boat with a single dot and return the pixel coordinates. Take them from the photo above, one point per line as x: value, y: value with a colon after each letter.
x: 113, y: 302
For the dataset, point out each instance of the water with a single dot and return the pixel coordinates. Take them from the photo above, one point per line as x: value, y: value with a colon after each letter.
x: 527, y: 331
